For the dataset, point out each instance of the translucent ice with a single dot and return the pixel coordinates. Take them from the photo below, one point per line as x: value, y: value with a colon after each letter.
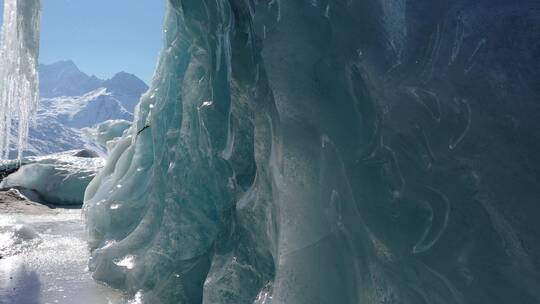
x: 106, y: 134
x: 298, y: 152
x: 19, y: 89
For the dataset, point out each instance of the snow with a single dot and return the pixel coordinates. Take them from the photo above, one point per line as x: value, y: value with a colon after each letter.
x: 63, y: 78
x: 85, y: 111
x: 72, y: 101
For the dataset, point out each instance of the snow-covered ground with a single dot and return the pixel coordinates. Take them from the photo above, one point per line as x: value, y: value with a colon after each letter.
x: 44, y: 256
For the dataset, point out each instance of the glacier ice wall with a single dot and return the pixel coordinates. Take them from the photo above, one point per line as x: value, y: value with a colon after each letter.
x: 55, y: 179
x: 329, y: 152
x: 19, y: 88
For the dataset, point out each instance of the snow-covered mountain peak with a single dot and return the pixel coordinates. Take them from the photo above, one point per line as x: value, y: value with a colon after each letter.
x: 85, y: 111
x: 72, y: 100
x: 127, y: 88
x: 63, y: 66
x: 64, y: 78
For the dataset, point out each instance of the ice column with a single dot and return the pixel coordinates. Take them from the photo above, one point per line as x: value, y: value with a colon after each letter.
x: 19, y: 87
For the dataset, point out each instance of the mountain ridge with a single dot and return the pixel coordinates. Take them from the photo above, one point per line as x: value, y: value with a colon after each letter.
x: 64, y: 78
x: 72, y: 100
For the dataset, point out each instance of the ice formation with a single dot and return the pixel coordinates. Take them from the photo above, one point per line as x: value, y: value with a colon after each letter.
x: 329, y: 152
x: 57, y: 179
x: 19, y: 89
x: 44, y: 256
x: 106, y: 134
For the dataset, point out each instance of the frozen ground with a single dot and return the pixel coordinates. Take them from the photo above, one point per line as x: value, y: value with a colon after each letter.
x: 43, y: 256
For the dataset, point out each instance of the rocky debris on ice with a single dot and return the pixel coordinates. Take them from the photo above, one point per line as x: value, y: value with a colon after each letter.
x: 13, y: 201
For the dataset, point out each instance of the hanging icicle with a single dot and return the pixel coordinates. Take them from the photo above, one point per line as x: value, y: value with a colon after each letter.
x: 19, y: 87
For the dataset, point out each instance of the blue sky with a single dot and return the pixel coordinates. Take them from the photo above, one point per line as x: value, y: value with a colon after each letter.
x: 103, y: 36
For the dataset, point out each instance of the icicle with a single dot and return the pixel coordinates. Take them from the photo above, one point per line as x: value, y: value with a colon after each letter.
x: 19, y: 89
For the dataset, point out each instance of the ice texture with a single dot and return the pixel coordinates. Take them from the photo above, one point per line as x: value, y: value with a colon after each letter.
x: 105, y: 135
x: 44, y: 256
x: 57, y: 179
x: 329, y: 152
x: 19, y: 87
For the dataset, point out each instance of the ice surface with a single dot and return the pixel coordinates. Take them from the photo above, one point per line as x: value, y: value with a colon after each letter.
x: 58, y: 179
x: 19, y: 88
x: 44, y: 257
x: 329, y: 152
x: 106, y: 134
